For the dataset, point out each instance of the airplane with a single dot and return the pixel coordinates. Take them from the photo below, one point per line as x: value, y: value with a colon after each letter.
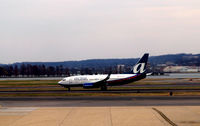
x: 138, y: 72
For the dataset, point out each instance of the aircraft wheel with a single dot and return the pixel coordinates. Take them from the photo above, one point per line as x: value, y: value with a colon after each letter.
x: 104, y: 88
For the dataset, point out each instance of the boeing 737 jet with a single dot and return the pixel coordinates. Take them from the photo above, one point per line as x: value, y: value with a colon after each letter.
x: 138, y: 72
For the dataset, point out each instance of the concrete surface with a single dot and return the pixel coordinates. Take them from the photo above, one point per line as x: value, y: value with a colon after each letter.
x: 183, y: 116
x: 99, y: 116
x: 99, y: 101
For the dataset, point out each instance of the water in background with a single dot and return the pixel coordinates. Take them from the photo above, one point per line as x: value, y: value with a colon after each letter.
x: 177, y: 75
x: 170, y: 75
x: 35, y: 78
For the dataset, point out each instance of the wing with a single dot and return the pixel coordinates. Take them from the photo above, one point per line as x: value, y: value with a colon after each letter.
x: 98, y: 83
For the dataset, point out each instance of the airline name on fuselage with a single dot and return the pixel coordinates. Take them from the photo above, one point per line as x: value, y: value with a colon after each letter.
x: 96, y: 77
x: 85, y: 79
x: 80, y: 78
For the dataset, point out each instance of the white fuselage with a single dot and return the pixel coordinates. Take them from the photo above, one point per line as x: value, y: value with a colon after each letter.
x: 82, y: 79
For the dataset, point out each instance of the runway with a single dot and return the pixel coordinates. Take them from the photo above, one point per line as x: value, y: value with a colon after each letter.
x: 182, y: 84
x: 99, y: 101
x: 101, y: 116
x: 99, y: 91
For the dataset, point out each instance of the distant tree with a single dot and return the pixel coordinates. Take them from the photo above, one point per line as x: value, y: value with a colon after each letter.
x: 3, y: 72
x: 16, y: 71
x: 61, y: 70
x: 87, y: 71
x: 9, y: 70
x: 23, y: 69
x: 108, y: 70
x: 57, y: 70
x: 67, y: 72
x: 29, y: 70
x: 51, y: 71
x: 36, y: 71
x: 43, y: 70
x: 74, y: 71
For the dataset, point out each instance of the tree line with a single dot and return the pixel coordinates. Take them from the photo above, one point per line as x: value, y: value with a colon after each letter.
x: 32, y: 71
x: 28, y: 70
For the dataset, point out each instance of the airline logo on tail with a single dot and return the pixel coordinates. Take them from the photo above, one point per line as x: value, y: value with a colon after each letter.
x: 140, y: 66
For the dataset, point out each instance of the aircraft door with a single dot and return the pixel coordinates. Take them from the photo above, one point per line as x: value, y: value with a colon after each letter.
x: 70, y: 81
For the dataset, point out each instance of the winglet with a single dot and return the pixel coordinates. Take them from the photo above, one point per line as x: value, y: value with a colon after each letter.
x: 107, y: 77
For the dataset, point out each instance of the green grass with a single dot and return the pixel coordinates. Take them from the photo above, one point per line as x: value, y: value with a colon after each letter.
x: 28, y: 83
x: 49, y: 83
x: 55, y: 82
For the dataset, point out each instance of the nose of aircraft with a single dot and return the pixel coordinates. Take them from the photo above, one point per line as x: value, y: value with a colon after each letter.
x: 60, y: 82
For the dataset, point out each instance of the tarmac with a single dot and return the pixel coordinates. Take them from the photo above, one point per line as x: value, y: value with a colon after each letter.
x: 100, y: 111
x: 100, y: 116
x: 99, y: 101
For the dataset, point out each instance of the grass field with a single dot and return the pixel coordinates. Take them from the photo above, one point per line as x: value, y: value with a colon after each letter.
x: 18, y: 83
x: 47, y: 86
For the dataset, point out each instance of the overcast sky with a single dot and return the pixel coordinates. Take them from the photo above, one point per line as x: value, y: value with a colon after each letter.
x: 62, y: 30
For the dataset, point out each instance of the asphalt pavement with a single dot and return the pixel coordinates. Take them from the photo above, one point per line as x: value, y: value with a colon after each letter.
x: 89, y: 101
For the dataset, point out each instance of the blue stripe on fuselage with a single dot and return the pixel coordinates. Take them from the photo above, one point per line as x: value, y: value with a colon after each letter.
x: 88, y: 84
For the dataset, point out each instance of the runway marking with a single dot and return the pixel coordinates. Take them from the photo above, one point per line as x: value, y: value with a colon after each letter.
x: 165, y: 117
x: 16, y: 110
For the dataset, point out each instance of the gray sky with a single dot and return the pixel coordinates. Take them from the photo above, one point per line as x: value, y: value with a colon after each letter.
x: 62, y: 30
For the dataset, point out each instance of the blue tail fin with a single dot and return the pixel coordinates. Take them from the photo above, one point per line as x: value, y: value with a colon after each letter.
x: 140, y: 66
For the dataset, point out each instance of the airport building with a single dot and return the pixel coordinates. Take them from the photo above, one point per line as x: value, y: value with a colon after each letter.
x: 120, y: 68
x: 181, y: 69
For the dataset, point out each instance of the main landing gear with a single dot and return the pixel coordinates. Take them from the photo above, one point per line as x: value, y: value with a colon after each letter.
x: 67, y: 88
x: 104, y: 88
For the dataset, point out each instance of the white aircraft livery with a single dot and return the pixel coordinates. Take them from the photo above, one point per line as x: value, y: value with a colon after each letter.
x: 138, y: 72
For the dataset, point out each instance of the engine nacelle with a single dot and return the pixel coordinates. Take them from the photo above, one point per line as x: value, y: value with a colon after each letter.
x: 90, y: 85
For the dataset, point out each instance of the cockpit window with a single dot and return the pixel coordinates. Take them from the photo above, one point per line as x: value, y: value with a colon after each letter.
x: 64, y: 80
